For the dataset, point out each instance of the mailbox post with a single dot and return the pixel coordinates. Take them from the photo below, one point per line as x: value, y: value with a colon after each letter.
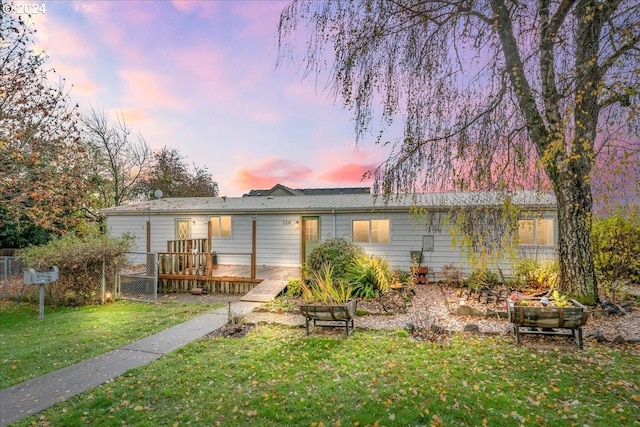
x: 34, y: 277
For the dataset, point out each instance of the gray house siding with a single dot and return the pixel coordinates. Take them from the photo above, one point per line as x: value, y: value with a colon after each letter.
x: 279, y: 234
x: 278, y: 240
x: 405, y: 236
x: 233, y: 249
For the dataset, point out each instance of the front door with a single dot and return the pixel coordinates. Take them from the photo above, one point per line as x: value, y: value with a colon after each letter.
x: 310, y: 235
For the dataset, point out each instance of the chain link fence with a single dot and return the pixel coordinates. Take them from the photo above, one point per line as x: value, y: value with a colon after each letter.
x: 138, y: 277
x: 11, y: 271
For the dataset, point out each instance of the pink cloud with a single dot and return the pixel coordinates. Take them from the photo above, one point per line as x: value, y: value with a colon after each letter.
x: 280, y: 171
x: 204, y: 9
x: 88, y: 8
x: 148, y: 91
x: 134, y: 117
x: 58, y: 41
x: 255, y: 12
x: 348, y: 172
x: 77, y: 77
x: 270, y: 172
x: 203, y: 67
x: 105, y: 18
x: 69, y: 55
x: 266, y: 116
x: 247, y: 180
x: 112, y: 23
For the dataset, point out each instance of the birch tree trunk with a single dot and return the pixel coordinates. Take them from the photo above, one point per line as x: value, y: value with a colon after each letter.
x: 577, y: 273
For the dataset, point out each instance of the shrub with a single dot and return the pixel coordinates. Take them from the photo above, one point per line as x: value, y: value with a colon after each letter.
x: 370, y: 276
x: 324, y: 289
x: 336, y: 252
x: 525, y: 269
x: 452, y: 275
x: 80, y: 262
x: 403, y: 277
x: 482, y: 278
x: 547, y: 274
x: 616, y: 244
x: 537, y: 273
x: 294, y: 287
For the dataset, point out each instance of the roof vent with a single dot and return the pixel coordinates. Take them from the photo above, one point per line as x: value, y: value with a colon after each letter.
x: 224, y: 198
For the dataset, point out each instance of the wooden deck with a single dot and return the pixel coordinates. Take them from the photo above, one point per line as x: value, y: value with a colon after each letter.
x: 189, y: 264
x: 233, y: 279
x: 262, y: 272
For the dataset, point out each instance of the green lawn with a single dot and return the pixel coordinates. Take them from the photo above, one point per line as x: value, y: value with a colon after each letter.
x: 277, y: 376
x: 30, y: 347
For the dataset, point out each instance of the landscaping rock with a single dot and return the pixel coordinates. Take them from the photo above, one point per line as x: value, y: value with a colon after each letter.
x: 465, y: 310
x: 627, y: 307
x: 611, y: 309
x: 619, y: 339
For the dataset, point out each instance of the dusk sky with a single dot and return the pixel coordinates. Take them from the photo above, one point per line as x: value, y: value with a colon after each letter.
x: 201, y: 76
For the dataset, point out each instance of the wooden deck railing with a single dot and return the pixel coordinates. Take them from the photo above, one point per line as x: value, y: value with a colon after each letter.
x: 185, y: 263
x: 188, y: 245
x: 189, y: 263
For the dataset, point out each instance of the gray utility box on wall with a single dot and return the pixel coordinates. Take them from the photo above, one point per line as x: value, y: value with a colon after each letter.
x: 35, y: 277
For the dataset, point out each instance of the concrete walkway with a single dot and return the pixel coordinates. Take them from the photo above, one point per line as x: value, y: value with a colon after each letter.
x: 32, y: 396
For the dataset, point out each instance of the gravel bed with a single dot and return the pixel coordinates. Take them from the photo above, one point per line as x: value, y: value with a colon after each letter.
x: 436, y: 305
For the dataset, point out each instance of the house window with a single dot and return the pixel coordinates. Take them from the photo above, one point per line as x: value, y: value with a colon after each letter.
x: 537, y: 232
x: 371, y: 231
x: 310, y: 230
x: 221, y: 226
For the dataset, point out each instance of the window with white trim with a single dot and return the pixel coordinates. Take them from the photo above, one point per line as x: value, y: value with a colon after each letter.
x: 221, y: 226
x: 536, y: 232
x: 371, y: 231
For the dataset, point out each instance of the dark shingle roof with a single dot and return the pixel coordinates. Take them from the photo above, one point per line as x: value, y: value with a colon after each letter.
x: 283, y: 190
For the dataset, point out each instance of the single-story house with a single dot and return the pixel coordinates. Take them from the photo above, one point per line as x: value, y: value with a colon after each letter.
x: 283, y: 225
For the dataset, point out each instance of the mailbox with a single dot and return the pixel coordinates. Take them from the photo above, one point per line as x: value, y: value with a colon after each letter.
x: 37, y: 277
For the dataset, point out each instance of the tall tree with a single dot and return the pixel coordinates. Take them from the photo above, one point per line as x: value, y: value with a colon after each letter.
x: 119, y: 160
x: 42, y: 182
x: 494, y: 94
x: 170, y: 174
